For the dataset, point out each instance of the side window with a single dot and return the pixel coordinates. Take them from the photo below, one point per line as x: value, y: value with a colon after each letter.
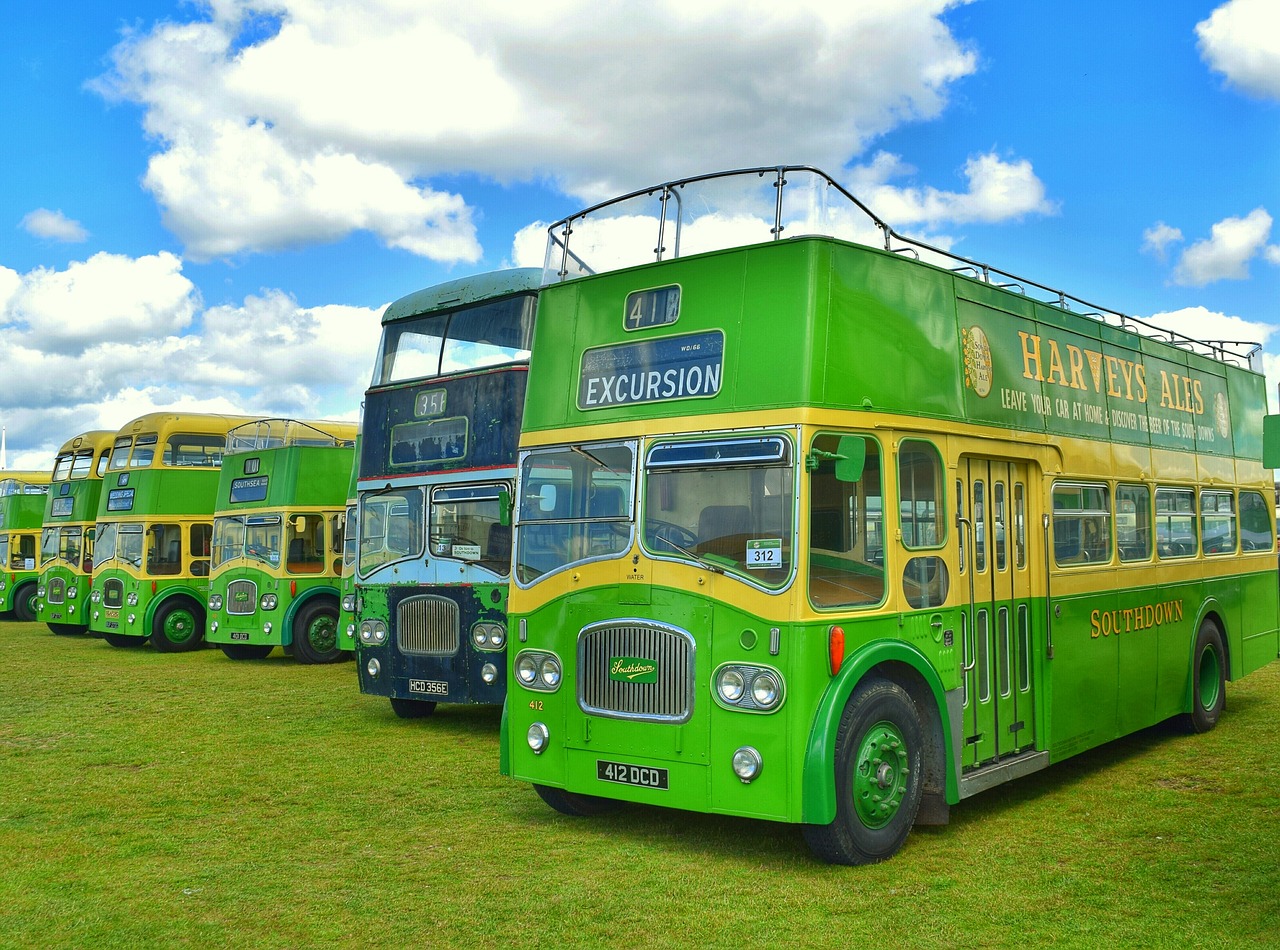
x: 1217, y: 522
x: 305, y: 548
x: 846, y: 529
x: 164, y: 551
x: 1081, y: 524
x: 922, y: 520
x: 200, y: 535
x: 1176, y: 522
x: 1255, y: 522
x: 1133, y: 522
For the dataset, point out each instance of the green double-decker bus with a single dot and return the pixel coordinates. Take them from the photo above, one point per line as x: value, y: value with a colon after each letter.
x: 155, y: 525
x: 22, y: 501
x: 818, y: 524
x: 66, y: 540
x: 278, y: 539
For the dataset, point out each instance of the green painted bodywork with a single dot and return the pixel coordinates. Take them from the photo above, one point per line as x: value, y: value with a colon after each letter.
x: 84, y: 494
x: 19, y: 514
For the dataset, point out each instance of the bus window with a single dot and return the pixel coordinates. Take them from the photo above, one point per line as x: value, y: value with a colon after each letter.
x: 979, y: 525
x: 195, y: 451
x: 144, y: 450
x: 48, y: 544
x: 164, y: 556
x: 923, y: 518
x: 1255, y: 522
x: 120, y: 453
x: 69, y: 546
x: 104, y: 460
x: 306, y: 544
x: 1020, y: 524
x: 1133, y: 522
x: 1217, y: 522
x: 82, y: 464
x: 465, y: 525
x: 1081, y: 524
x: 846, y: 553
x: 200, y: 536
x: 1175, y: 522
x: 390, y: 527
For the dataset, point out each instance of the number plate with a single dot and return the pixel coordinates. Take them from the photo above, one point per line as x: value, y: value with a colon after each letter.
x: 429, y: 687
x: 240, y: 635
x: 624, y: 774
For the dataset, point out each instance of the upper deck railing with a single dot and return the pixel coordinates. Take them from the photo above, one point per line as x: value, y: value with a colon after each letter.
x: 276, y: 433
x: 754, y: 205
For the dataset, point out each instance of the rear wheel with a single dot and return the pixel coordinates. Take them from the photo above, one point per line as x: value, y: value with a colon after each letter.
x: 315, y: 633
x: 178, y: 627
x: 24, y: 603
x: 575, y: 803
x: 1208, y: 680
x: 120, y: 640
x: 246, y: 651
x: 879, y: 777
x: 411, y: 708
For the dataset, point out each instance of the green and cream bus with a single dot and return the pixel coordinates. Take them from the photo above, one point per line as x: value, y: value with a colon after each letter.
x: 22, y: 501
x: 66, y: 541
x: 818, y: 524
x: 155, y: 525
x: 278, y: 539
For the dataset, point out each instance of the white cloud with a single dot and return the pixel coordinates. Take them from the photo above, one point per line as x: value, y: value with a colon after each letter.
x: 1157, y: 238
x: 1241, y: 40
x: 342, y: 118
x: 53, y: 225
x: 1226, y: 253
x: 1200, y: 323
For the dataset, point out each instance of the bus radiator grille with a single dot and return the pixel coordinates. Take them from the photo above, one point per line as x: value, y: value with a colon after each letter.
x: 242, y: 598
x: 604, y: 688
x: 113, y: 593
x: 57, y: 591
x: 427, y: 625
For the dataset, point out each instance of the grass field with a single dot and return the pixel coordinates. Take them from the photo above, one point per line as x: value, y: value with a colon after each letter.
x: 186, y: 800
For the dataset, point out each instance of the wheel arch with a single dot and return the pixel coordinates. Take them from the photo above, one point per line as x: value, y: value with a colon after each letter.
x: 1210, y: 609
x: 305, y: 599
x: 167, y: 596
x: 902, y: 664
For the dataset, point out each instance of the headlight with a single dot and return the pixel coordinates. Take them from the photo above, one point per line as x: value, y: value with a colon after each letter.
x: 213, y: 627
x: 132, y: 599
x: 730, y: 684
x: 349, y: 603
x: 749, y: 688
x: 268, y: 602
x: 366, y: 631
x: 4, y: 585
x: 747, y: 764
x: 549, y: 671
x: 538, y: 670
x: 266, y: 627
x: 39, y: 590
x: 765, y: 690
x: 373, y: 667
x: 96, y: 596
x: 538, y: 736
x: 72, y: 591
x: 526, y: 669
x: 215, y: 601
x: 489, y: 673
x: 497, y: 635
x: 379, y: 632
x: 479, y: 634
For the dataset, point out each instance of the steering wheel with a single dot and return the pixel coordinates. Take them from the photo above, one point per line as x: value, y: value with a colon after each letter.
x: 667, y: 536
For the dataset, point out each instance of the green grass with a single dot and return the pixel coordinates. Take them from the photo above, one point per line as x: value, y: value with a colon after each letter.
x: 186, y: 800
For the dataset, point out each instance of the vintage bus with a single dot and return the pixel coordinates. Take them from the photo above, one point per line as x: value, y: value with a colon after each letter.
x: 347, y: 616
x: 437, y: 466
x: 155, y: 525
x: 22, y: 501
x: 66, y: 541
x: 278, y: 538
x: 838, y: 529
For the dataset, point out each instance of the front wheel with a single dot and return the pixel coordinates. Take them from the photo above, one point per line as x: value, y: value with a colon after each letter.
x: 575, y: 803
x: 246, y: 651
x: 411, y: 708
x: 65, y: 629
x: 178, y: 627
x: 123, y: 641
x: 879, y: 777
x: 1208, y: 680
x: 24, y: 603
x: 315, y: 634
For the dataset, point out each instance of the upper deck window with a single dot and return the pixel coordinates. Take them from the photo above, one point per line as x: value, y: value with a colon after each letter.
x: 489, y: 334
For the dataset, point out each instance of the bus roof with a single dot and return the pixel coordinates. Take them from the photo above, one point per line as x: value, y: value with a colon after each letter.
x: 279, y: 432
x: 463, y: 291
x: 193, y: 422
x: 94, y: 438
x: 13, y: 480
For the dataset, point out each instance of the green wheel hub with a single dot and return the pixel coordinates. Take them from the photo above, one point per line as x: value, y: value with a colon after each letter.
x: 880, y: 775
x: 322, y: 634
x: 1210, y: 677
x: 179, y: 626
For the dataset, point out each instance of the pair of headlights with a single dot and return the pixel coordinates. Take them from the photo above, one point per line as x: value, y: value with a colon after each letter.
x: 749, y: 688
x: 266, y: 602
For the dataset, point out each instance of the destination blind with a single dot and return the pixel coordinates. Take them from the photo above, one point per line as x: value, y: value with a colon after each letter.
x: 676, y: 367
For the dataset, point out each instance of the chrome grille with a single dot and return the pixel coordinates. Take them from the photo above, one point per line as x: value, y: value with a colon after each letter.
x: 428, y: 625
x: 112, y: 593
x: 56, y: 592
x: 242, y: 598
x: 671, y: 649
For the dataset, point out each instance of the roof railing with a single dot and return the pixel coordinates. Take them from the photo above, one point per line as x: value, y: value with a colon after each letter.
x: 275, y: 433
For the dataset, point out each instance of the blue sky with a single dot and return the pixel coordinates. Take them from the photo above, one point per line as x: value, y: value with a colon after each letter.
x: 206, y: 205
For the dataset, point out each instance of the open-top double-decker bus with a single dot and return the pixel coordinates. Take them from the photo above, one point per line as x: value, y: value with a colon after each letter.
x: 347, y: 617
x: 839, y: 529
x: 155, y: 524
x: 437, y: 466
x: 22, y: 501
x: 278, y: 539
x: 66, y: 541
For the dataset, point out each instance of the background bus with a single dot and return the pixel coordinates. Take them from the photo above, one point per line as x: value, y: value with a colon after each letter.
x: 714, y: 608
x: 347, y: 616
x: 437, y: 461
x: 66, y: 544
x: 155, y: 524
x: 22, y: 501
x: 278, y: 539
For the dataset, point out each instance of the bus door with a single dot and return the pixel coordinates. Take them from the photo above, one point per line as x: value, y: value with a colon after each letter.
x: 995, y: 569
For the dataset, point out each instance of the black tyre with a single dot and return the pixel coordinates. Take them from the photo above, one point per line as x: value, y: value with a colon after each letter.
x: 575, y: 803
x: 24, y: 603
x: 879, y: 777
x: 315, y: 633
x: 178, y: 627
x: 246, y: 651
x: 411, y: 708
x: 66, y: 629
x: 120, y: 640
x: 1208, y: 680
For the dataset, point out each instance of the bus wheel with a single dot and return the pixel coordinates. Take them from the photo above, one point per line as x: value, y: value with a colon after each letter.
x: 411, y: 708
x: 315, y: 634
x: 120, y: 640
x: 65, y: 629
x: 879, y: 777
x: 575, y: 803
x: 1208, y: 680
x: 178, y: 627
x: 246, y: 651
x: 24, y: 603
